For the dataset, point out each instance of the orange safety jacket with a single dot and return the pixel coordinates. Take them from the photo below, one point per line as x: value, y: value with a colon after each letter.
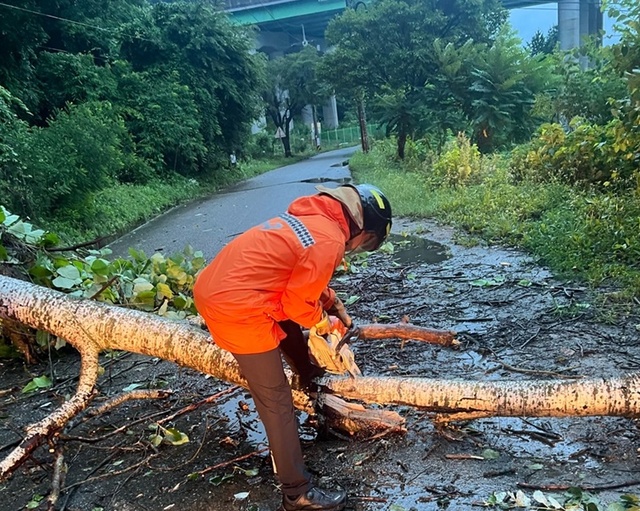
x: 275, y: 271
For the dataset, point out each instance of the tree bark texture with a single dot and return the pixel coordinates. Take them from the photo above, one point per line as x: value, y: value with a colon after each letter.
x: 92, y: 327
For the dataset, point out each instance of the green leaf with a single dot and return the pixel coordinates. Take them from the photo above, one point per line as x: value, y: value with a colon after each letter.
x: 155, y: 440
x: 197, y: 263
x: 40, y: 271
x: 40, y: 382
x: 352, y: 299
x: 132, y: 386
x: 250, y: 472
x: 50, y: 239
x: 141, y: 285
x: 42, y: 338
x: 180, y: 302
x: 64, y: 283
x: 175, y: 437
x: 218, y: 480
x: 34, y: 502
x: 147, y: 298
x: 100, y: 267
x: 490, y: 454
x: 69, y: 272
x: 164, y: 290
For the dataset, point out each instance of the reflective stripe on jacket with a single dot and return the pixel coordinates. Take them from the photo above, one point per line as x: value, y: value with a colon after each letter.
x: 277, y: 270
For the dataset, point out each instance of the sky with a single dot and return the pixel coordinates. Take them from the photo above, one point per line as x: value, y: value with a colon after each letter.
x: 542, y: 17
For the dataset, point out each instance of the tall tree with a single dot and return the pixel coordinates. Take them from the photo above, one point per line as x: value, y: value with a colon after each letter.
x: 390, y: 48
x: 212, y: 57
x: 292, y: 85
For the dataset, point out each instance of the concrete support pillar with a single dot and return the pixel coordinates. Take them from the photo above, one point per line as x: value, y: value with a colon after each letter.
x: 576, y: 20
x: 307, y: 115
x: 330, y: 113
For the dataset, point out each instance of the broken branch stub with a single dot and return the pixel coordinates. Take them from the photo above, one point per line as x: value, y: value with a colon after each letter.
x: 408, y: 332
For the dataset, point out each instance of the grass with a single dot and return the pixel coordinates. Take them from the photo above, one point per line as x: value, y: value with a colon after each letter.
x: 585, y: 235
x: 121, y: 207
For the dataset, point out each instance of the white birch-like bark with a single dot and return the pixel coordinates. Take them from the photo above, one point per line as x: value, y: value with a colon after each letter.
x: 92, y: 327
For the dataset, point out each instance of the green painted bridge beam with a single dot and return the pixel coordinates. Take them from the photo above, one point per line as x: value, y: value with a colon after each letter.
x: 275, y: 12
x: 265, y: 12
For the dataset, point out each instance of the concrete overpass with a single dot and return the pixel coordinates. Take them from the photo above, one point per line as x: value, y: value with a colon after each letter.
x: 287, y: 24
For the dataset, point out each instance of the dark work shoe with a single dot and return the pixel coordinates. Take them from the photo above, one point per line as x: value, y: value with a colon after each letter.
x: 316, y: 499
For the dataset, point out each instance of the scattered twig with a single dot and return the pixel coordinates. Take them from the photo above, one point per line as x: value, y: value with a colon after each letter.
x: 103, y: 287
x: 59, y: 473
x: 538, y: 372
x: 195, y: 455
x: 79, y: 245
x: 530, y: 338
x: 111, y: 474
x: 112, y: 432
x: 549, y: 439
x: 381, y: 434
x: 363, y: 498
x: 230, y: 462
x: 7, y: 391
x: 10, y: 445
x: 498, y: 473
x: 194, y: 406
x: 128, y: 396
x: 109, y: 457
x: 464, y: 457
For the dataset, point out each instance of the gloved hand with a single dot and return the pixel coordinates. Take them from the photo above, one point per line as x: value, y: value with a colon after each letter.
x: 338, y: 309
x: 323, y: 327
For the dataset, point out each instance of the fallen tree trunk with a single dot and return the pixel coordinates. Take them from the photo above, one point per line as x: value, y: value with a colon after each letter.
x: 92, y: 327
x: 462, y: 399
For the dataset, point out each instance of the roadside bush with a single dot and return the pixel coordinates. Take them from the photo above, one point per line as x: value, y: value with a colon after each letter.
x: 587, y: 154
x: 300, y: 138
x: 79, y: 153
x: 14, y: 180
x: 593, y: 234
x: 261, y: 145
x: 586, y: 93
x: 118, y: 207
x: 163, y: 118
x: 459, y: 162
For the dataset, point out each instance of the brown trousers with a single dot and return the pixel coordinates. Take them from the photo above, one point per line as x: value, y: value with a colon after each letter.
x: 271, y: 394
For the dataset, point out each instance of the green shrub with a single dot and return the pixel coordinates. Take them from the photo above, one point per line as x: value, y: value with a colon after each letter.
x: 459, y: 162
x: 120, y: 206
x: 587, y: 154
x: 262, y: 145
x: 78, y: 154
x: 14, y: 178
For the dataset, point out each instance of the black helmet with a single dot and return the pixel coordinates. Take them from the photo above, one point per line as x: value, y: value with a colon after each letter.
x: 376, y: 211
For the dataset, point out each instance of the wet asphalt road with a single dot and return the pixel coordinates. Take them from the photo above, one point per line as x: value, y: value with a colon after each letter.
x: 209, y: 224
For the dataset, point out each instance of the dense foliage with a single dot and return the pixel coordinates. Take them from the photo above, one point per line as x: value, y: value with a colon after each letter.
x: 569, y: 195
x: 95, y: 95
x: 107, y: 109
x: 434, y: 67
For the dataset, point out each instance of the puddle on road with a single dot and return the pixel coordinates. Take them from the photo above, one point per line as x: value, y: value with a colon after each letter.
x: 320, y: 180
x: 412, y: 249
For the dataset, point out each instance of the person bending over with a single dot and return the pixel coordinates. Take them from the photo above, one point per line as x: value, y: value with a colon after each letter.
x: 269, y: 283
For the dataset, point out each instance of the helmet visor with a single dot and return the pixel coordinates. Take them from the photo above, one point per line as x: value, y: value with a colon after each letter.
x: 367, y: 242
